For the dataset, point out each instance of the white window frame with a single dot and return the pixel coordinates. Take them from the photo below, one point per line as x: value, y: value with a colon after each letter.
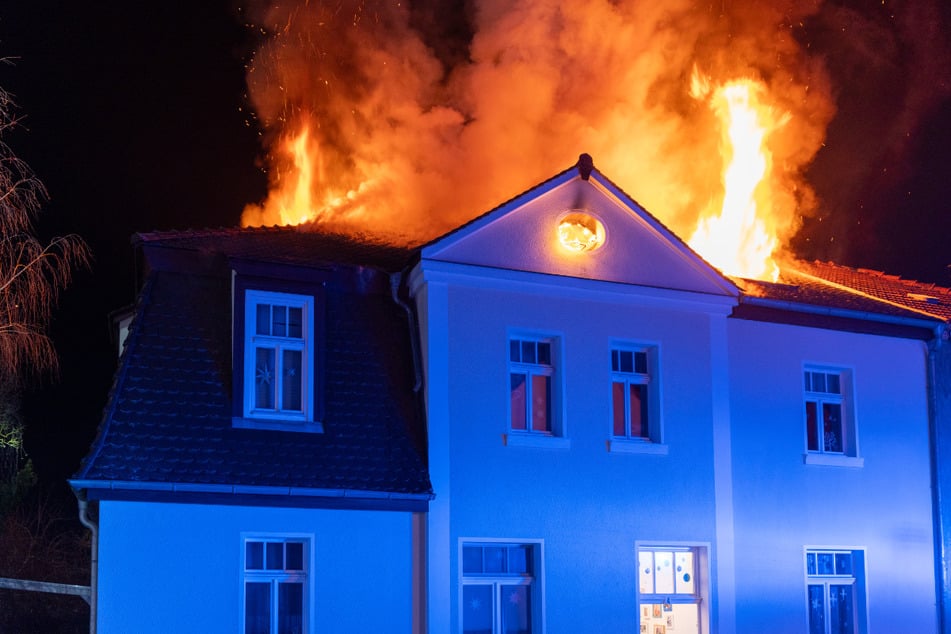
x: 535, y: 581
x: 653, y: 441
x: 854, y: 578
x: 253, y: 416
x: 700, y: 582
x: 274, y: 577
x: 555, y: 437
x: 844, y: 398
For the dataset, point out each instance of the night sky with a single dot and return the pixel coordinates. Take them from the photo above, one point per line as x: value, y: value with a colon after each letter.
x: 136, y: 119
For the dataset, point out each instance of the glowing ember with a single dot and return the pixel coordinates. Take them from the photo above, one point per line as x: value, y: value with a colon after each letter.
x: 736, y: 238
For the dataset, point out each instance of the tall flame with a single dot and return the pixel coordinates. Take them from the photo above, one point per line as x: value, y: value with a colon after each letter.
x: 387, y: 118
x: 738, y: 238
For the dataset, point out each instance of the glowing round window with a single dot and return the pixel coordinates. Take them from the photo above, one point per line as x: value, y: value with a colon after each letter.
x: 579, y: 231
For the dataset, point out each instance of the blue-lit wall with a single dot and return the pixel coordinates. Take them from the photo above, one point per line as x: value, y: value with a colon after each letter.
x: 177, y: 567
x: 783, y: 505
x: 588, y: 505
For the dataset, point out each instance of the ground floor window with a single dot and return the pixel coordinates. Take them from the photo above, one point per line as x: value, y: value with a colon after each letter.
x: 275, y: 586
x: 670, y: 593
x: 500, y: 588
x: 835, y: 587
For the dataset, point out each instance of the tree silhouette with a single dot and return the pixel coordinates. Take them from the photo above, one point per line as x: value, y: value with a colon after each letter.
x: 32, y: 273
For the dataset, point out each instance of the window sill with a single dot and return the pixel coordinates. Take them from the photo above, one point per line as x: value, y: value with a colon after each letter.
x: 833, y: 460
x: 516, y: 439
x: 267, y: 424
x: 630, y: 445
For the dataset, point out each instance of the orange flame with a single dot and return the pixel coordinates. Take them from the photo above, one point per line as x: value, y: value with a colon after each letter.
x: 739, y: 238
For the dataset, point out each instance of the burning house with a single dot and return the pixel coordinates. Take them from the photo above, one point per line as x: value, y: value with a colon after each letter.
x: 556, y: 417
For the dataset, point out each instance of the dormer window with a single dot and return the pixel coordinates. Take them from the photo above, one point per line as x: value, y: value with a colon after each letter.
x: 279, y: 357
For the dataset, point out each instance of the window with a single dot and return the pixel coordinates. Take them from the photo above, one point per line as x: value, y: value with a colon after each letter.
x: 279, y: 356
x: 500, y: 594
x: 829, y: 427
x: 531, y: 372
x: 630, y: 380
x: 275, y: 586
x: 835, y: 591
x: 669, y: 589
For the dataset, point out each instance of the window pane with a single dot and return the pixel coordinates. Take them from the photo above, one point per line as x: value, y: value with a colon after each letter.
x: 264, y: 379
x: 257, y: 608
x: 495, y: 559
x: 293, y: 380
x: 275, y: 555
x: 615, y: 362
x: 683, y: 574
x: 645, y: 564
x: 541, y: 400
x: 295, y: 323
x: 544, y: 353
x: 832, y: 383
x: 818, y: 382
x: 477, y: 609
x: 640, y: 362
x: 520, y: 560
x: 528, y: 352
x: 832, y: 427
x: 263, y: 326
x: 254, y: 556
x: 843, y: 563
x: 294, y: 556
x: 663, y: 572
x: 825, y: 563
x: 279, y: 329
x: 515, y: 349
x: 841, y: 609
x: 471, y: 559
x: 290, y: 608
x: 638, y: 411
x: 812, y: 427
x: 627, y: 361
x: 516, y: 610
x: 617, y: 398
x: 811, y: 563
x: 817, y: 610
x: 519, y: 387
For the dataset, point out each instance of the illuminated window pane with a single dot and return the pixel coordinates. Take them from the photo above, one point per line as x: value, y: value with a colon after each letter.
x: 683, y: 572
x: 541, y: 399
x: 663, y: 572
x: 645, y: 564
x: 620, y: 418
x: 265, y: 380
x: 519, y: 388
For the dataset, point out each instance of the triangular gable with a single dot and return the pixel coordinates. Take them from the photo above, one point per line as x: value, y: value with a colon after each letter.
x: 522, y: 235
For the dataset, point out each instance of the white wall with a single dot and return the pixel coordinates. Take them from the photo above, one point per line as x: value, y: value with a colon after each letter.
x: 176, y: 567
x: 782, y: 505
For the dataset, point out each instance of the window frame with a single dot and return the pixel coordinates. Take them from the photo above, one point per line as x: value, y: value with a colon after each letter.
x: 701, y: 587
x: 820, y: 399
x: 855, y: 578
x: 274, y: 577
x: 534, y: 580
x: 555, y: 436
x: 652, y: 442
x: 247, y: 297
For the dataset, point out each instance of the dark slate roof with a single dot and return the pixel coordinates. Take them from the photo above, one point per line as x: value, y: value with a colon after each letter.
x: 168, y: 424
x: 301, y: 245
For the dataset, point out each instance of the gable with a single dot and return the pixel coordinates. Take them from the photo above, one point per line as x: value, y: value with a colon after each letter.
x: 523, y: 235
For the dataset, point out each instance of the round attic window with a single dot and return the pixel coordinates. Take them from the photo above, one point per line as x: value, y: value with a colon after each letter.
x: 579, y: 231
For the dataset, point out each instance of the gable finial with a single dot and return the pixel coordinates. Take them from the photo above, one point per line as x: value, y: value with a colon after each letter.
x: 585, y: 165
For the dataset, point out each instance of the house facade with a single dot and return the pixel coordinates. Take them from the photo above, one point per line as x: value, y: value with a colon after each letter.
x: 556, y: 418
